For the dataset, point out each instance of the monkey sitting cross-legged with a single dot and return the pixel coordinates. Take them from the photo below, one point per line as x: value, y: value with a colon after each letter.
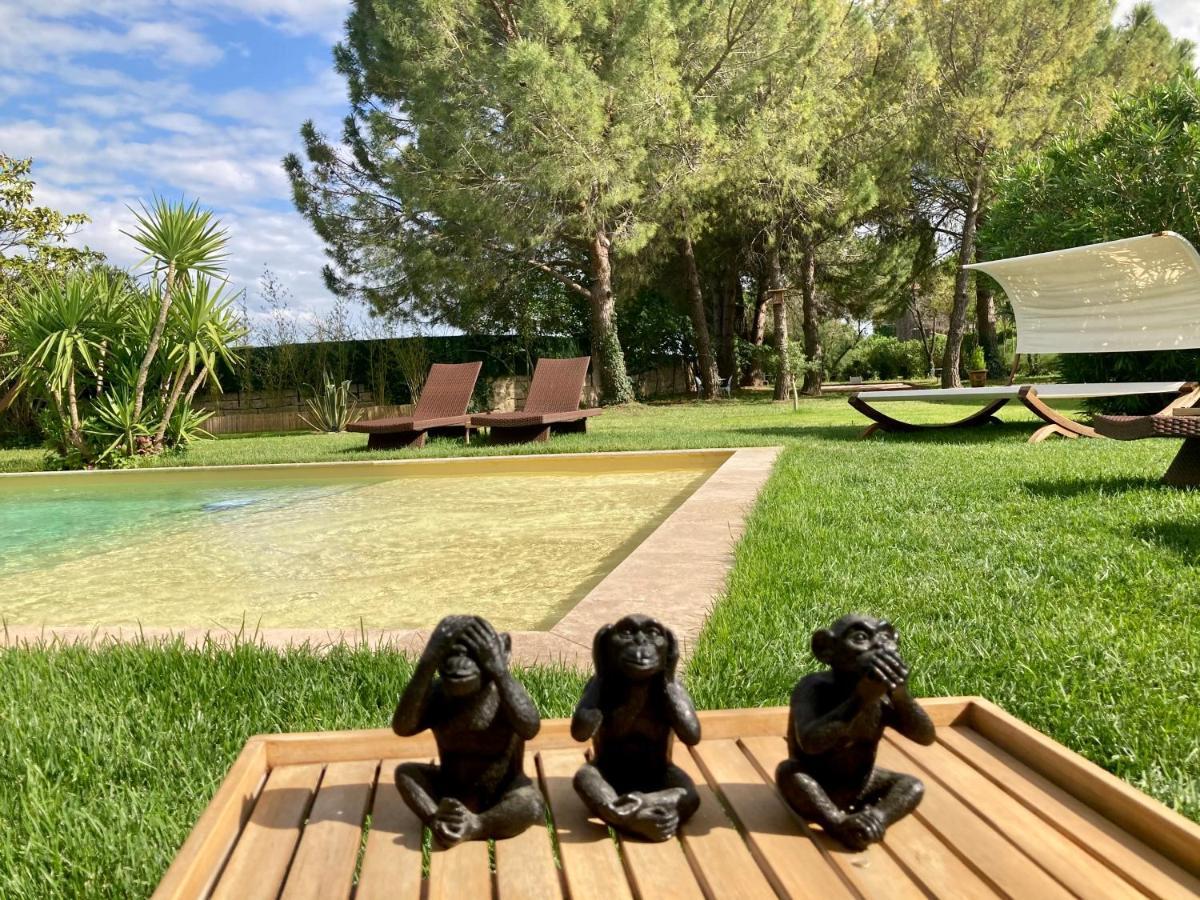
x: 836, y: 722
x: 481, y: 717
x: 630, y: 709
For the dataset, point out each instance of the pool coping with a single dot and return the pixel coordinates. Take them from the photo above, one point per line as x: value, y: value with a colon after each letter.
x: 675, y: 574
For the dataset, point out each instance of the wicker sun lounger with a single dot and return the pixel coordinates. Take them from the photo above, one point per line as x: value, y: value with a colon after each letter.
x: 1130, y: 295
x: 553, y: 402
x: 442, y: 409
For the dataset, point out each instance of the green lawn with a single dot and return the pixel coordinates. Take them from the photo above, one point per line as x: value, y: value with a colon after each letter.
x: 1059, y: 580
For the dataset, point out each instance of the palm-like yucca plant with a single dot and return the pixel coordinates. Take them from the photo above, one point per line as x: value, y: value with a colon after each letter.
x: 203, y: 328
x: 58, y: 327
x: 333, y: 409
x: 180, y: 240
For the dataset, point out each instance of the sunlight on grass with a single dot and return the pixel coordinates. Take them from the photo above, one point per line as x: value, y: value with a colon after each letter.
x: 1058, y: 580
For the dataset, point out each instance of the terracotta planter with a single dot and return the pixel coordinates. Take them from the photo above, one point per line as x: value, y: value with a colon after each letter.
x: 978, y: 377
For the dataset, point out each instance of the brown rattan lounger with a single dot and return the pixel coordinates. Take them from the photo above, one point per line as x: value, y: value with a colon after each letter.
x: 1185, y: 468
x: 553, y: 402
x: 441, y: 408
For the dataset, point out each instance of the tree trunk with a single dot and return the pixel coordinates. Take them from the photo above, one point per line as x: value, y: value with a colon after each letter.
x: 204, y: 374
x: 76, y: 433
x: 708, y: 368
x: 164, y: 307
x: 813, y: 374
x: 169, y: 409
x: 757, y: 332
x: 11, y: 394
x: 783, y: 378
x: 985, y: 318
x: 608, y: 362
x: 731, y: 308
x: 966, y: 252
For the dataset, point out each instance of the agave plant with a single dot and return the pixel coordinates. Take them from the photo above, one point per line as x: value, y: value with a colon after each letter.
x: 118, y: 428
x: 187, y: 424
x: 333, y: 409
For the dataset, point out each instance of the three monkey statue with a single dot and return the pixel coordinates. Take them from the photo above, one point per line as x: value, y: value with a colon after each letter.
x: 632, y: 709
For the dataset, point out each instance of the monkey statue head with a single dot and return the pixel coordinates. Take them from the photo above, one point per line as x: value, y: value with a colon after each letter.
x: 459, y: 669
x: 846, y: 645
x: 637, y: 647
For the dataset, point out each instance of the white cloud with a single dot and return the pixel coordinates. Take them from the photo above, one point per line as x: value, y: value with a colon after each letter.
x: 103, y: 139
x: 1182, y: 17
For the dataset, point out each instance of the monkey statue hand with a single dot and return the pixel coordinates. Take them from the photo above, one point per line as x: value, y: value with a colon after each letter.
x: 882, y: 673
x: 485, y: 645
x: 442, y: 639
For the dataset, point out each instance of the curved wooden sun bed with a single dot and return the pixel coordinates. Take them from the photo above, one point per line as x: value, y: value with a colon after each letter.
x: 1129, y: 295
x: 553, y: 403
x: 442, y: 408
x: 1033, y: 397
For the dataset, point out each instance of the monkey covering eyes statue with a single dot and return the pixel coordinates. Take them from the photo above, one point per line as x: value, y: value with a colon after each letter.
x: 837, y: 719
x: 630, y: 709
x: 481, y: 718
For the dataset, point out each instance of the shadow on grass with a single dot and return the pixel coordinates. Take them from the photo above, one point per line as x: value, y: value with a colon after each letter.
x: 1181, y: 538
x: 1007, y: 432
x: 1066, y: 488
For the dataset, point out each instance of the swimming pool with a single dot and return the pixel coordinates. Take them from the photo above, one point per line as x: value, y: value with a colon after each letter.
x: 373, y: 545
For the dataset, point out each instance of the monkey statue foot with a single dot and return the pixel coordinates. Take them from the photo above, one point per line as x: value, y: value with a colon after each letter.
x: 653, y: 816
x: 453, y: 823
x: 860, y: 829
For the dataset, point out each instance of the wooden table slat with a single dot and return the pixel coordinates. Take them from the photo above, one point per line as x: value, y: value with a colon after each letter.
x: 793, y: 862
x: 462, y: 872
x: 874, y: 872
x: 984, y: 848
x: 714, y: 846
x: 1081, y: 873
x: 660, y: 870
x: 589, y: 855
x: 1125, y: 854
x: 391, y: 866
x: 261, y: 857
x: 325, y: 860
x: 525, y: 868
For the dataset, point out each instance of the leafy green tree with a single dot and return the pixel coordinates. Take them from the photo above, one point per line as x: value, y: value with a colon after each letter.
x: 490, y: 138
x: 1010, y: 74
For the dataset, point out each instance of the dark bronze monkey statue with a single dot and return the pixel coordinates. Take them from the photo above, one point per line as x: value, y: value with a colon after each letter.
x: 630, y: 709
x: 836, y: 722
x: 481, y: 718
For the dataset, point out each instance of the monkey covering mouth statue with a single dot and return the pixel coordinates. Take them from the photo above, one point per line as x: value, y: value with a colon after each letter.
x: 481, y: 718
x: 630, y: 709
x: 836, y: 722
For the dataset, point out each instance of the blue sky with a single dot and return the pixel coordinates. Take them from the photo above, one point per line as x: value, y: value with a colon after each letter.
x: 119, y: 99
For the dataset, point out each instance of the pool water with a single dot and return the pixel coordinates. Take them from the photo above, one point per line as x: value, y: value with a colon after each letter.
x: 328, y: 547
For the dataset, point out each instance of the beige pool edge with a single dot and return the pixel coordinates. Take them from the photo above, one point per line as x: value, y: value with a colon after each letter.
x: 674, y: 575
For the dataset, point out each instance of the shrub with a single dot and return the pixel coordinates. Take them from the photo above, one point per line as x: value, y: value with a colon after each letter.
x: 332, y: 409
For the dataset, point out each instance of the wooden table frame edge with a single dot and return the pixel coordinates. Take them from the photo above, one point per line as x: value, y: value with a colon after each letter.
x: 202, y: 855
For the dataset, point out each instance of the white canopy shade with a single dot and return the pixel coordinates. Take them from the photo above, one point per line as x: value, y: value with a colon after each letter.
x: 1140, y: 293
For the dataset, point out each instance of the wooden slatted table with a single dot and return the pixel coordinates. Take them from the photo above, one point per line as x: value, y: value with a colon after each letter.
x: 1007, y: 813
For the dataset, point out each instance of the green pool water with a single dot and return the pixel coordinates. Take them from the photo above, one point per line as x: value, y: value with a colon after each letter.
x: 325, y: 547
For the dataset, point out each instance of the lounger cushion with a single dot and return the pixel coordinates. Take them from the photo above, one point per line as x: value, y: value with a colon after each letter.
x: 1081, y: 391
x: 401, y: 424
